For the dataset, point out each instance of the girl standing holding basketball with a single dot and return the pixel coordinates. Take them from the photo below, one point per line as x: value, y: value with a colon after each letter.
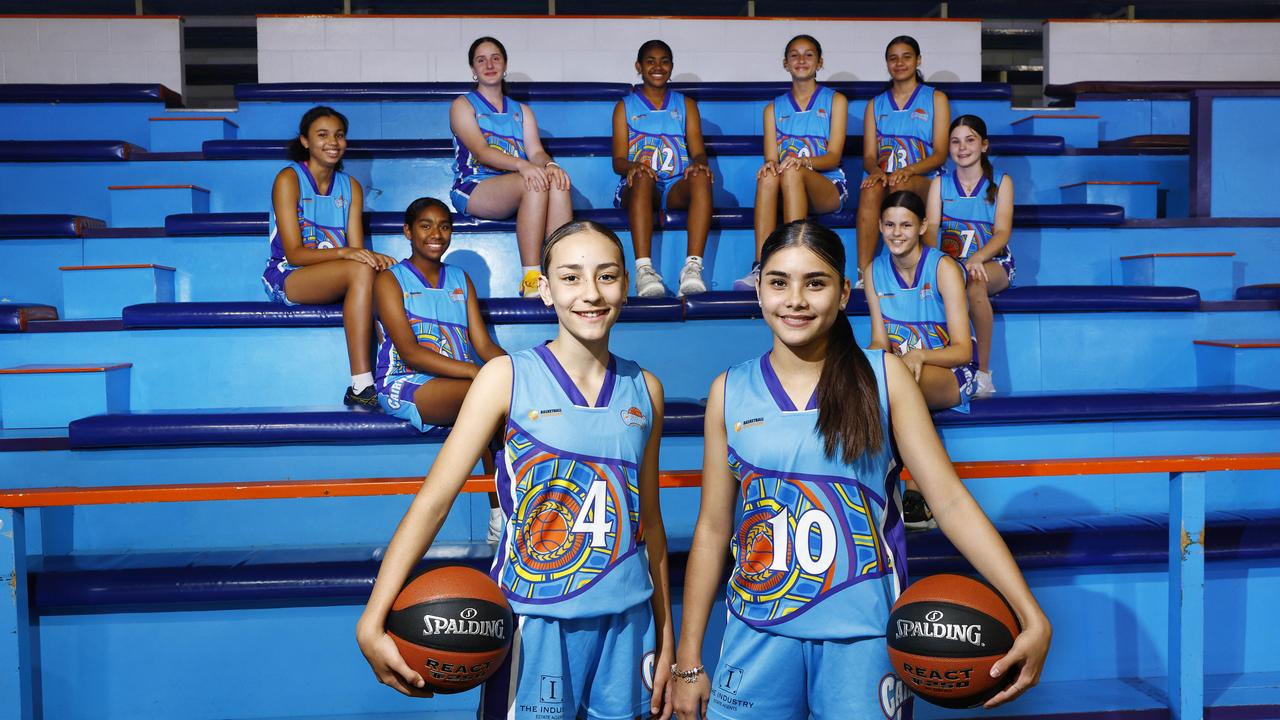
x: 583, y: 559
x: 904, y: 140
x: 800, y: 479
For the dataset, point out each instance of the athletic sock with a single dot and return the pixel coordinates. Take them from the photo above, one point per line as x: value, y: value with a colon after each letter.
x: 643, y: 262
x: 695, y: 258
x: 526, y: 269
x: 360, y: 382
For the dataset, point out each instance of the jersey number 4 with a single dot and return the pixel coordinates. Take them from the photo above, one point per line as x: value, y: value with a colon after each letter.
x: 593, y: 518
x: 809, y: 521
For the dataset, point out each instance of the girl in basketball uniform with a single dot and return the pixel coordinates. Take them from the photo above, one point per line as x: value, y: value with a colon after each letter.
x: 500, y: 168
x: 799, y: 479
x: 583, y: 558
x: 904, y: 140
x: 970, y: 216
x: 432, y: 337
x: 657, y: 149
x: 803, y: 145
x: 317, y: 240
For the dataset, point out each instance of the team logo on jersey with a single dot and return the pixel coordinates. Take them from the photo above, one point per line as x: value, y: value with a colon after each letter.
x: 893, y: 695
x: 632, y: 417
x: 926, y: 292
x: 549, y: 412
x: 822, y: 112
x: 340, y: 201
x: 675, y: 114
x: 744, y: 424
x: 457, y: 295
x: 919, y: 114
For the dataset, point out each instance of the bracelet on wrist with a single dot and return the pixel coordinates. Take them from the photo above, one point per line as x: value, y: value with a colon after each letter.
x: 550, y: 163
x: 690, y: 676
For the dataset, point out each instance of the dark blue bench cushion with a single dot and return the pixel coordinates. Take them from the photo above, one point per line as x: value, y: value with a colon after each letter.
x: 1023, y: 216
x: 65, y: 150
x: 407, y: 91
x: 1206, y: 402
x: 1125, y: 89
x: 89, y: 93
x: 258, y: 426
x: 14, y: 316
x: 854, y: 90
x: 42, y: 226
x: 278, y: 149
x: 382, y: 223
x: 1259, y: 292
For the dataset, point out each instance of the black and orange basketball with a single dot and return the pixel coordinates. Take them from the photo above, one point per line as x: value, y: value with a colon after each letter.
x: 945, y: 633
x: 453, y: 625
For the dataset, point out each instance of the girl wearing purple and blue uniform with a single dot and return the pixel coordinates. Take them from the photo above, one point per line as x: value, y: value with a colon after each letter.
x: 583, y: 557
x: 804, y: 133
x: 904, y: 140
x: 500, y: 168
x: 970, y: 217
x: 317, y: 240
x: 802, y: 449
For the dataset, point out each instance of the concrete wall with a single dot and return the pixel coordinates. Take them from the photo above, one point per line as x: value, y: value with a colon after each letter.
x: 92, y: 50
x: 425, y: 49
x: 1138, y: 50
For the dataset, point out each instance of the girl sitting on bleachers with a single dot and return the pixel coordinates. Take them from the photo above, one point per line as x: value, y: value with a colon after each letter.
x: 657, y: 149
x: 500, y: 168
x: 904, y: 140
x: 803, y: 144
x: 317, y: 240
x: 970, y: 216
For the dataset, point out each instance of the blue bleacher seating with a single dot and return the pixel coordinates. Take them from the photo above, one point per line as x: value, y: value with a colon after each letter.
x: 88, y: 93
x: 66, y: 150
x: 1269, y: 291
x: 46, y: 225
x: 15, y: 316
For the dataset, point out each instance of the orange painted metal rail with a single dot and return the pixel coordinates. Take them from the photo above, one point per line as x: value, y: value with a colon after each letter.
x: 369, y: 487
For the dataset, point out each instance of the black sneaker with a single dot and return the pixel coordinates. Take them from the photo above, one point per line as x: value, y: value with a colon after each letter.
x: 367, y: 398
x: 915, y: 512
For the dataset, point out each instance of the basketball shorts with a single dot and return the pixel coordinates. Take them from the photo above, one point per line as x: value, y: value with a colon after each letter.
x: 762, y: 675
x: 563, y: 669
x: 273, y: 279
x: 1005, y: 260
x: 842, y: 188
x: 460, y: 193
x: 396, y: 398
x: 664, y: 189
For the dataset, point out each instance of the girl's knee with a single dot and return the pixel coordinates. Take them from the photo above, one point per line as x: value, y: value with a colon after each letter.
x: 767, y: 182
x: 792, y: 180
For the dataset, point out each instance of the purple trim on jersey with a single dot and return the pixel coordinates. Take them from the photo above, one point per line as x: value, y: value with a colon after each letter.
x: 591, y: 584
x: 946, y: 217
x: 892, y: 520
x: 616, y: 463
x: 791, y: 95
x: 426, y: 283
x: 489, y: 105
x: 960, y: 188
x: 924, y: 253
x: 666, y: 98
x: 632, y: 131
x: 780, y: 396
x: 894, y: 104
x: 306, y: 171
x: 566, y: 383
x: 809, y: 477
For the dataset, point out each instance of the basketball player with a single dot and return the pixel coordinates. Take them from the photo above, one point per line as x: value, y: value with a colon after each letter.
x: 433, y: 338
x: 317, y: 240
x: 500, y: 168
x: 970, y: 216
x: 904, y: 140
x: 804, y: 133
x: 799, y: 478
x: 657, y: 149
x: 588, y: 585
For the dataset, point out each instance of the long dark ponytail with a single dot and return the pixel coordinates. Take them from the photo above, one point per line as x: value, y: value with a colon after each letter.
x: 502, y: 50
x: 978, y: 126
x: 911, y: 43
x: 848, y: 395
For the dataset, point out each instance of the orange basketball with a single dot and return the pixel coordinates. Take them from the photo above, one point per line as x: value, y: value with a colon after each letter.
x: 547, y: 531
x: 453, y: 625
x: 759, y: 555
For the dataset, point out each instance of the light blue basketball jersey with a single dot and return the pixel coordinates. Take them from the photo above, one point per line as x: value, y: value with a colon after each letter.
x: 820, y: 548
x: 438, y: 316
x: 322, y: 218
x: 573, y: 545
x: 804, y: 132
x: 903, y: 135
x: 655, y: 135
x: 503, y: 130
x: 967, y: 220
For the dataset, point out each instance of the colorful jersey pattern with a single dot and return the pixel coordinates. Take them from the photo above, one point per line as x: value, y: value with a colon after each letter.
x: 914, y: 314
x: 321, y: 218
x: 819, y: 545
x: 903, y: 135
x: 967, y: 220
x: 503, y: 130
x: 438, y: 316
x: 804, y: 132
x: 655, y: 135
x: 569, y: 486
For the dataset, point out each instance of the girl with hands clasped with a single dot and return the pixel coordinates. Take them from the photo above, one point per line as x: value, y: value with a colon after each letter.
x: 500, y: 168
x: 904, y: 140
x: 970, y: 217
x: 317, y: 240
x: 583, y: 557
x: 804, y: 133
x: 657, y: 149
x: 800, y: 481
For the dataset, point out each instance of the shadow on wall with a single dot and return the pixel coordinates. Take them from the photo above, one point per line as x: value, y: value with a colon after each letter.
x: 475, y: 266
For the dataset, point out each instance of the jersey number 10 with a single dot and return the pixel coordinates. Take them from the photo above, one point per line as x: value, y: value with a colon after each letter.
x: 808, y: 521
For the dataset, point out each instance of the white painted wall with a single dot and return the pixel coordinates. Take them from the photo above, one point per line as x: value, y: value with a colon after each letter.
x: 430, y: 49
x: 1137, y: 51
x: 91, y: 50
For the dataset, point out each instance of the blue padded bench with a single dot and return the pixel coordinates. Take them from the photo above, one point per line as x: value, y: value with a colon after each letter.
x: 257, y: 426
x: 1023, y: 216
x: 66, y: 150
x: 15, y: 316
x: 381, y: 223
x: 1270, y: 291
x: 540, y: 91
x: 46, y: 226
x: 345, y: 574
x: 89, y: 93
x: 1125, y: 90
x: 1112, y: 405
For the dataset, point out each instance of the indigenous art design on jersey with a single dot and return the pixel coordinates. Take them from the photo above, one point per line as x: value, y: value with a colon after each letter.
x: 437, y: 314
x: 968, y: 219
x: 656, y: 134
x: 503, y: 130
x: 805, y: 132
x: 903, y: 135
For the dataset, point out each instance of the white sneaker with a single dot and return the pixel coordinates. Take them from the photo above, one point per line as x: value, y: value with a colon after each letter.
x: 751, y: 280
x: 985, y: 386
x: 859, y: 285
x: 691, y: 282
x: 496, y: 522
x: 649, y: 282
